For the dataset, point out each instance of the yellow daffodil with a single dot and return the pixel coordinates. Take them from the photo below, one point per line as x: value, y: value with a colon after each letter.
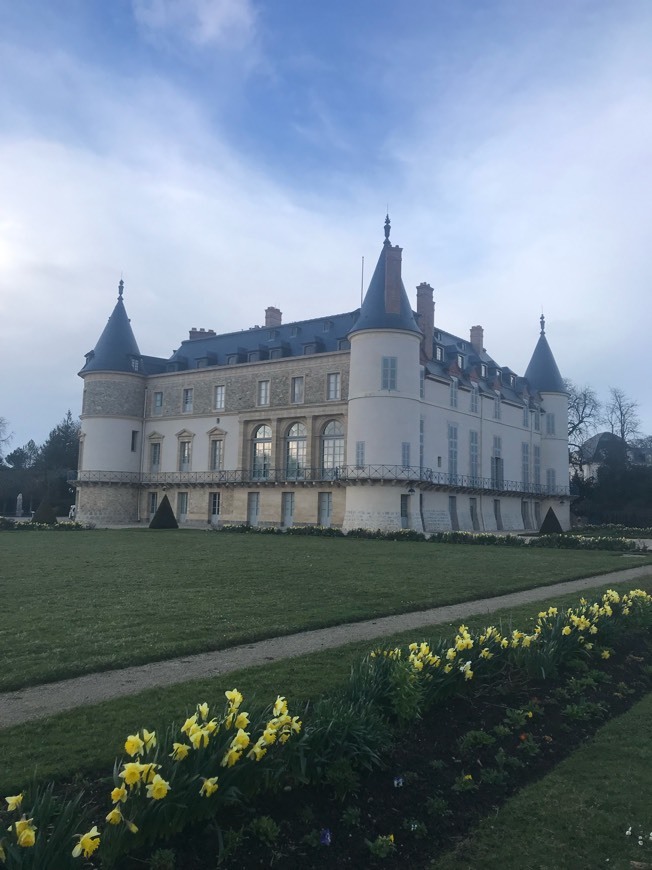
x: 280, y: 706
x: 158, y: 788
x: 181, y: 750
x: 269, y: 736
x: 87, y: 844
x: 231, y: 758
x: 242, y: 720
x: 566, y: 629
x: 241, y: 740
x: 187, y: 725
x: 213, y: 726
x: 130, y: 825
x: 202, y: 709
x: 25, y: 832
x: 199, y: 738
x: 14, y: 801
x: 149, y: 739
x: 114, y: 817
x: 485, y: 654
x: 448, y: 668
x: 134, y: 745
x: 258, y: 750
x: 605, y: 654
x: 209, y: 787
x: 451, y: 654
x: 3, y: 854
x: 234, y: 698
x: 119, y: 794
x: 131, y: 773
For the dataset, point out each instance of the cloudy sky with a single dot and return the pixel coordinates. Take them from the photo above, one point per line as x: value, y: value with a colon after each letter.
x: 227, y: 155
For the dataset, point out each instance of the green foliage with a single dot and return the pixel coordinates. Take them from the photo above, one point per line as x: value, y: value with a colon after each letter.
x: 382, y: 846
x: 480, y: 540
x: 567, y: 541
x: 584, y: 711
x: 164, y: 517
x: 162, y: 859
x: 472, y: 741
x: 342, y: 778
x: 351, y: 817
x: 438, y: 807
x: 265, y: 829
x: 45, y: 514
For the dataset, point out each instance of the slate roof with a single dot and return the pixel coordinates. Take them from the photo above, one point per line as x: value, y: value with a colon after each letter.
x: 386, y: 304
x: 542, y: 372
x: 116, y: 349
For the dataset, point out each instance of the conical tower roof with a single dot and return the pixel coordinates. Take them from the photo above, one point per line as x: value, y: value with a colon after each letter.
x: 116, y: 349
x: 386, y: 304
x: 542, y: 372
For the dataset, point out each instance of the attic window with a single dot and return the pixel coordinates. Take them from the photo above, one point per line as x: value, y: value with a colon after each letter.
x: 273, y: 333
x: 512, y: 380
x: 439, y: 354
x: 460, y: 360
x: 254, y: 356
x: 295, y: 331
x: 135, y: 364
x: 343, y: 344
x: 310, y: 348
x: 232, y: 359
x: 483, y: 370
x: 275, y: 353
x: 327, y: 326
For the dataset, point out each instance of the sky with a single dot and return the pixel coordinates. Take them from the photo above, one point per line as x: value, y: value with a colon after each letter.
x: 223, y: 156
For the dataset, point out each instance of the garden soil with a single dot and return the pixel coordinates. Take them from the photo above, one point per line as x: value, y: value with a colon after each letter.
x: 37, y: 702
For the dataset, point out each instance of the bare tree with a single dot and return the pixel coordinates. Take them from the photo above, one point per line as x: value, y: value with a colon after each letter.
x: 4, y: 437
x: 584, y: 410
x: 620, y: 414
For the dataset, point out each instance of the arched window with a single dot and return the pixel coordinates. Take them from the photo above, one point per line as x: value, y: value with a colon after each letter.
x: 295, y: 451
x: 261, y: 454
x: 332, y: 449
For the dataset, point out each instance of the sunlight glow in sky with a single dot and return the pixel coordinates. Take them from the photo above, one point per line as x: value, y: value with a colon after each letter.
x: 227, y: 155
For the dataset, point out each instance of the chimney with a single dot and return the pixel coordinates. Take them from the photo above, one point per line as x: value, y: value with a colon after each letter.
x: 426, y: 312
x: 200, y: 333
x: 477, y: 339
x: 273, y: 316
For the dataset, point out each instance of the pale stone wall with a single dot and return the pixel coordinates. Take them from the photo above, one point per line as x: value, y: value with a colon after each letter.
x: 107, y: 505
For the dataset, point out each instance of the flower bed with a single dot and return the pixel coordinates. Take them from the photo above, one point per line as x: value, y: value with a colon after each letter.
x: 416, y: 748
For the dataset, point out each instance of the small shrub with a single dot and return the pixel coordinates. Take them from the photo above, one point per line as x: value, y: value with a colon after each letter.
x: 44, y: 514
x: 474, y: 740
x: 164, y: 517
x: 382, y: 846
x: 265, y: 829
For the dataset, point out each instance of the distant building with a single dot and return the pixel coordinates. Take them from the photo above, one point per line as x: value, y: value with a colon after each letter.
x: 595, y: 451
x: 374, y: 418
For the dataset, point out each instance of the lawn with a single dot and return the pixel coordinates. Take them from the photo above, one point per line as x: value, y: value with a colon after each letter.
x: 91, y: 601
x: 89, y: 738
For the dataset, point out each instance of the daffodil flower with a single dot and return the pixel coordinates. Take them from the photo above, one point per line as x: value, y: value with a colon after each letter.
x: 87, y: 844
x: 209, y: 787
x: 14, y: 801
x: 158, y: 788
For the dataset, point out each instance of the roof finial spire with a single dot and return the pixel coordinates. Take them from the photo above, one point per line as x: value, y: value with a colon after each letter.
x: 121, y: 287
x: 542, y: 321
x: 387, y: 227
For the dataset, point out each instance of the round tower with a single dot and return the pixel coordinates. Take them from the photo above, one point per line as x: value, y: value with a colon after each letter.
x: 111, y: 425
x: 383, y: 403
x: 544, y: 377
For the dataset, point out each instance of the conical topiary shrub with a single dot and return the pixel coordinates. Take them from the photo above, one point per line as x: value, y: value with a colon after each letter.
x: 164, y: 517
x: 550, y: 524
x: 45, y: 513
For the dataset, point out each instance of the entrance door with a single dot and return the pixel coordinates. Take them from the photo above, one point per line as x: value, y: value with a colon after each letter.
x: 404, y: 511
x: 452, y: 512
x: 473, y: 506
x: 324, y: 508
x: 252, y: 508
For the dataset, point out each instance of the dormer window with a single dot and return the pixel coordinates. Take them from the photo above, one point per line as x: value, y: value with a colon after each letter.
x: 483, y: 370
x: 295, y: 331
x: 232, y: 359
x: 439, y: 353
x: 327, y: 326
x: 273, y: 333
x: 460, y: 361
x: 512, y: 380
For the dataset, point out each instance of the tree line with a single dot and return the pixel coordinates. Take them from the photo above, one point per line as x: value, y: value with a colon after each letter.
x: 39, y: 471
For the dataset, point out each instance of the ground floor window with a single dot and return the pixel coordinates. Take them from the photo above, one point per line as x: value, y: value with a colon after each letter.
x: 497, y: 514
x: 452, y: 512
x: 324, y: 508
x: 253, y: 505
x: 287, y: 508
x: 525, y: 514
x: 182, y: 506
x: 473, y: 508
x: 214, y: 505
x: 152, y: 503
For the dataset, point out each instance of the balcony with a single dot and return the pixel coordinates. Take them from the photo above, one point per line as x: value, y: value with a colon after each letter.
x: 424, y: 479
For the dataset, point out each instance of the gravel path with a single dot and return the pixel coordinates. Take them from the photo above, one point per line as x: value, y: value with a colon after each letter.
x: 37, y: 702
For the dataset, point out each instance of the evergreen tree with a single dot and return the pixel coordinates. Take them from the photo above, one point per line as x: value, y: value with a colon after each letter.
x: 164, y: 517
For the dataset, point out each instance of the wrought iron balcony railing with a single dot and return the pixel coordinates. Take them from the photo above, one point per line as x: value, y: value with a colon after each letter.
x: 424, y: 478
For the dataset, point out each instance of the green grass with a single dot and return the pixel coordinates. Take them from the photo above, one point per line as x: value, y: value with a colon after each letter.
x: 577, y: 815
x: 90, y: 601
x: 88, y: 739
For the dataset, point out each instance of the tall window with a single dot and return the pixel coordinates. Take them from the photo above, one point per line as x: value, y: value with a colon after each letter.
x: 134, y: 440
x: 405, y: 454
x: 219, y: 397
x: 217, y: 454
x: 551, y: 479
x: 497, y: 473
x: 525, y: 464
x: 537, y: 421
x: 155, y: 457
x: 186, y: 405
x: 388, y: 373
x: 296, y: 391
x: 536, y: 464
x: 263, y: 393
x: 332, y: 448
x: 422, y: 439
x: 526, y: 417
x: 550, y: 424
x: 359, y: 454
x: 185, y: 455
x: 422, y: 383
x: 261, y: 452
x: 333, y: 386
x: 474, y: 455
x: 497, y: 407
x: 452, y: 450
x: 475, y: 399
x: 453, y: 393
x: 158, y: 403
x: 214, y: 505
x: 295, y: 451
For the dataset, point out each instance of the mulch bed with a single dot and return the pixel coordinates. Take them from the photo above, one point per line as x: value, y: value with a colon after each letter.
x: 422, y: 797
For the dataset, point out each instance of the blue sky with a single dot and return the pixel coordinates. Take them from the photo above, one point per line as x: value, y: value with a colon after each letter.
x: 227, y: 155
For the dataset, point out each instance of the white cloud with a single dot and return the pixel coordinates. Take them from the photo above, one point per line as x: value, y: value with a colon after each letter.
x: 202, y: 22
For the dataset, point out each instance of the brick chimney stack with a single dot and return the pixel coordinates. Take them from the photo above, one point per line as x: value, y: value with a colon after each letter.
x: 273, y: 316
x: 200, y: 333
x: 477, y: 339
x: 426, y: 312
